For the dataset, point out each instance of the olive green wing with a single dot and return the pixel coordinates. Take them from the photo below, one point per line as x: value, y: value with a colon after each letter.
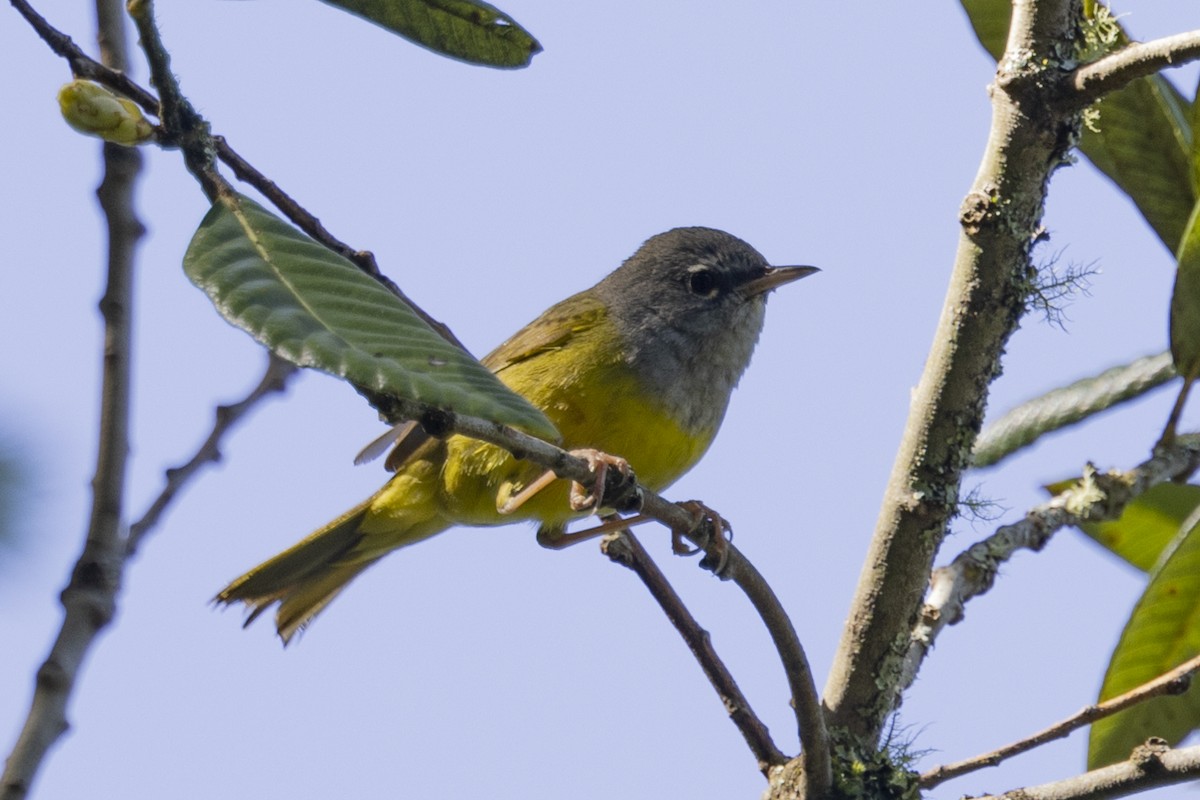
x: 551, y: 331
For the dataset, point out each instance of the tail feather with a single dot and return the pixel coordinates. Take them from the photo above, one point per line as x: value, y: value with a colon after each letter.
x: 303, y: 578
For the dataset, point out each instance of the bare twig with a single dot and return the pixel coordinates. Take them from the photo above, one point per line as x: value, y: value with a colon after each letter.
x: 1150, y: 766
x: 1176, y: 681
x: 90, y: 598
x: 1098, y: 496
x: 1106, y: 75
x: 274, y: 379
x: 624, y: 549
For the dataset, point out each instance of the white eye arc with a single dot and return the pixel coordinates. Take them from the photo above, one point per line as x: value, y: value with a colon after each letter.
x: 703, y: 281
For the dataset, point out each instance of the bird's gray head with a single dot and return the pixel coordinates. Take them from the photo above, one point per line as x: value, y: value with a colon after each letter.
x: 689, y: 307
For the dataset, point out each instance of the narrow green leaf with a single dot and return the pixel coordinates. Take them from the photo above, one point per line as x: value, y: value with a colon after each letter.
x: 1142, y: 139
x: 1059, y: 408
x: 1160, y: 635
x: 469, y: 30
x: 1185, y: 303
x: 316, y: 309
x: 1147, y: 526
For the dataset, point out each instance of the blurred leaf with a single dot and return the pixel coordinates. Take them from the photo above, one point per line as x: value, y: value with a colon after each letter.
x: 1160, y: 635
x: 13, y: 482
x: 1195, y: 159
x: 316, y: 309
x: 1144, y: 145
x: 1143, y: 136
x: 1185, y: 303
x: 990, y: 19
x: 1058, y: 408
x: 1147, y: 526
x: 469, y: 30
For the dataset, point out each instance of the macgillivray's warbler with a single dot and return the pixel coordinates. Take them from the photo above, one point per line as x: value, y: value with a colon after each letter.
x: 640, y: 366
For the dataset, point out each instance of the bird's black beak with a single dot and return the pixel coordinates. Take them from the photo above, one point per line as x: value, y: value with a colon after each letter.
x: 775, y: 277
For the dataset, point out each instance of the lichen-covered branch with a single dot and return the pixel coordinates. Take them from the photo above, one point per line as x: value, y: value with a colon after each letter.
x: 992, y: 277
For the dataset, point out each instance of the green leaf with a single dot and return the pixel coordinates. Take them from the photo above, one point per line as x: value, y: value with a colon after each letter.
x: 1185, y: 303
x: 1147, y: 526
x: 1195, y: 159
x: 1058, y: 408
x: 1143, y: 142
x: 1142, y: 138
x: 469, y: 30
x: 1160, y: 635
x: 316, y: 309
x: 990, y: 19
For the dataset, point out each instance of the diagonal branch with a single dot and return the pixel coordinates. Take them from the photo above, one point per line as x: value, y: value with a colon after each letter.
x: 274, y: 379
x: 623, y: 548
x: 1150, y: 766
x: 1176, y: 681
x: 1093, y: 81
x: 1098, y: 496
x: 1000, y: 223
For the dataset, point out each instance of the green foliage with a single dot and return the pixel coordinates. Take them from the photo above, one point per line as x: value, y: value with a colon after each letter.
x: 316, y: 309
x: 469, y: 30
x: 1161, y: 634
x: 1185, y: 303
x: 1148, y: 524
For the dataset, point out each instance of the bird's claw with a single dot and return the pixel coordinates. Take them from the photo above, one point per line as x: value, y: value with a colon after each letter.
x: 599, y: 463
x: 715, y: 530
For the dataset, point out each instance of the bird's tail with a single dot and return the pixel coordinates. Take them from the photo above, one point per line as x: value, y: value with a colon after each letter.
x: 304, y: 578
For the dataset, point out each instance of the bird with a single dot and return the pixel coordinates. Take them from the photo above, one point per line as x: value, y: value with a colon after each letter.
x: 635, y: 372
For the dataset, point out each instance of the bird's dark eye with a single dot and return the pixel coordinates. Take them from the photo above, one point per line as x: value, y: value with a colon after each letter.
x: 702, y: 282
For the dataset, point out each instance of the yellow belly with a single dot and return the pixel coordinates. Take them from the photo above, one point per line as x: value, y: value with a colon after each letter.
x: 615, y: 418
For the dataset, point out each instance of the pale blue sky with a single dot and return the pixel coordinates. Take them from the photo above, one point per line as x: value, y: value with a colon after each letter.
x: 478, y: 663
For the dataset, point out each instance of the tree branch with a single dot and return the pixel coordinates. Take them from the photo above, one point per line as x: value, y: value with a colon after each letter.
x: 274, y: 379
x: 1098, y: 496
x: 992, y: 278
x: 1093, y: 81
x: 1151, y: 765
x: 1174, y: 682
x: 89, y: 600
x: 623, y: 548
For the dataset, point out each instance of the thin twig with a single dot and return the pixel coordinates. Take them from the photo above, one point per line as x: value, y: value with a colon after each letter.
x: 1106, y: 75
x: 90, y: 598
x: 1098, y: 496
x: 274, y: 379
x: 1152, y: 765
x: 624, y: 549
x: 1174, y: 682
